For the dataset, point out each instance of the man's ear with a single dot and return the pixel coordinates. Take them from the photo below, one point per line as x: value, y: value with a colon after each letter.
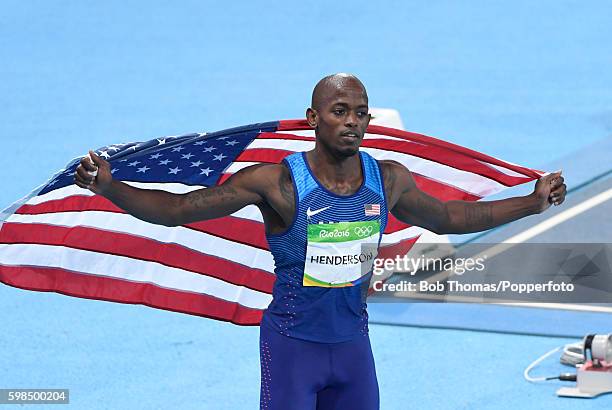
x: 312, y: 117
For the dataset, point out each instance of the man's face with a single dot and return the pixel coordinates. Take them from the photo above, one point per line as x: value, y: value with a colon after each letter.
x: 341, y: 119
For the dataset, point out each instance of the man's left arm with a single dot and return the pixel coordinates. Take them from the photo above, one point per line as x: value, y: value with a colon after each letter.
x: 411, y: 205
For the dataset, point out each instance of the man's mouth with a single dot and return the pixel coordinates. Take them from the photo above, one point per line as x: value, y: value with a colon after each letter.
x: 350, y: 134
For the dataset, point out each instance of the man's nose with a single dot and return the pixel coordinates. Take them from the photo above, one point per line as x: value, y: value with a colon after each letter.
x: 351, y: 119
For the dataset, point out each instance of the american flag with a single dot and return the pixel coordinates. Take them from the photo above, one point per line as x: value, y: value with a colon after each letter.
x: 372, y: 209
x: 65, y: 239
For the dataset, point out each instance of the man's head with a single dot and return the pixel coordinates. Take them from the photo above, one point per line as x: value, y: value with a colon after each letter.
x: 339, y: 113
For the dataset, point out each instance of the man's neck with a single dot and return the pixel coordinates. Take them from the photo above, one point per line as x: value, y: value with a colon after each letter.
x: 339, y: 174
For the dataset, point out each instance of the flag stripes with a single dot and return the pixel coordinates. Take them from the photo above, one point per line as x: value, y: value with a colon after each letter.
x: 70, y: 241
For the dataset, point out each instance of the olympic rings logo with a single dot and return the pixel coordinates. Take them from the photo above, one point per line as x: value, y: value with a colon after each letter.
x: 361, y: 231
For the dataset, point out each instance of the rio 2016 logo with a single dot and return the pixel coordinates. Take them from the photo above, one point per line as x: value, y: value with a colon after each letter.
x: 336, y: 233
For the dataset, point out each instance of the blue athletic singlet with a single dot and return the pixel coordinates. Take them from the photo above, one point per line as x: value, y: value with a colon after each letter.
x: 320, y: 289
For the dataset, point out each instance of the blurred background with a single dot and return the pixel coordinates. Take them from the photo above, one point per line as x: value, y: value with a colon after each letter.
x: 528, y: 82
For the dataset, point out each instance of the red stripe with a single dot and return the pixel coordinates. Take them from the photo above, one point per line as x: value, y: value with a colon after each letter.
x: 441, y: 190
x: 273, y: 156
x: 290, y: 137
x: 289, y: 125
x: 401, y: 248
x: 74, y: 203
x: 394, y: 225
x: 224, y: 177
x: 136, y: 247
x: 434, y: 153
x: 424, y: 139
x: 117, y: 290
x: 227, y: 227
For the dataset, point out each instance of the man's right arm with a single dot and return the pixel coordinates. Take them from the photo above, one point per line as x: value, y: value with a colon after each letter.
x: 164, y: 208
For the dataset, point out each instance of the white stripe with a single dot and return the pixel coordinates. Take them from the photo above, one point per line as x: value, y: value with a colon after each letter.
x: 121, y: 267
x: 503, y: 170
x: 124, y: 223
x: 71, y: 190
x: 463, y: 180
x: 250, y: 212
x: 238, y: 165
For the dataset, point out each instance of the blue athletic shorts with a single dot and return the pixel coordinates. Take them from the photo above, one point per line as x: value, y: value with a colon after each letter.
x: 302, y: 375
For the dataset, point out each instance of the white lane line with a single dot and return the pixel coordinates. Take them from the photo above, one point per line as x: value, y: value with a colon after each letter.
x: 561, y: 306
x: 561, y: 217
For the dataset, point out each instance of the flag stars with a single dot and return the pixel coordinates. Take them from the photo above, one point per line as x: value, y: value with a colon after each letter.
x: 55, y: 181
x: 209, y: 149
x: 199, y: 143
x: 187, y: 156
x: 104, y: 154
x: 113, y: 148
x: 114, y: 170
x: 222, y: 138
x: 219, y: 157
x: 196, y: 164
x: 133, y: 164
x: 155, y: 156
x: 232, y: 142
x: 143, y: 169
x: 177, y: 149
x: 205, y: 171
x: 174, y: 170
x: 161, y: 141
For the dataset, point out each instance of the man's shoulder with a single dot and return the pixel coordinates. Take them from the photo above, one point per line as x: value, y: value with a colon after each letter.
x: 390, y: 166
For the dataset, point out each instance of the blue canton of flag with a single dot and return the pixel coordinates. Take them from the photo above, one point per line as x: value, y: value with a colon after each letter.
x: 192, y: 159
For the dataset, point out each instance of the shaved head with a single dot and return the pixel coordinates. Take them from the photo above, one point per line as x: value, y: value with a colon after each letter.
x: 339, y: 115
x: 329, y: 86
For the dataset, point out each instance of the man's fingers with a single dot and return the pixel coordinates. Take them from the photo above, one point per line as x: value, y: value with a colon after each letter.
x: 95, y: 158
x: 557, y: 182
x: 83, y: 183
x: 558, y: 195
x: 85, y: 174
x: 552, y: 176
x: 87, y: 164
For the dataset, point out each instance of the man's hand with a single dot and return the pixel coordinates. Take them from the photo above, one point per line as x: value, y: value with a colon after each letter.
x: 87, y: 177
x: 549, y: 190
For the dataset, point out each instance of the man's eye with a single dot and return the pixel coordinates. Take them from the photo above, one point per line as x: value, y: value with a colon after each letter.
x: 338, y: 112
x: 362, y: 114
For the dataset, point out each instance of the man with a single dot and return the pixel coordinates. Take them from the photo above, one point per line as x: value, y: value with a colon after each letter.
x: 314, y: 344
